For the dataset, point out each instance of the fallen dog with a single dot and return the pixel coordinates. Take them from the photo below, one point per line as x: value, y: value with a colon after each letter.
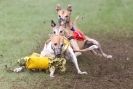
x: 35, y: 62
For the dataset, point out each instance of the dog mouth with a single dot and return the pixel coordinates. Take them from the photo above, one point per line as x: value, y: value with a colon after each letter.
x: 57, y: 52
x: 63, y: 22
x: 58, y: 56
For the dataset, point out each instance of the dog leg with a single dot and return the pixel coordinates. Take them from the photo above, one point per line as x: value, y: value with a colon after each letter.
x: 94, y: 52
x: 99, y: 48
x: 75, y: 47
x: 74, y: 59
x: 52, y: 70
x: 91, y: 48
x: 104, y: 54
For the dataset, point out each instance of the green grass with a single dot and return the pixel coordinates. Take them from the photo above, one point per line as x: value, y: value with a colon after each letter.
x: 25, y: 25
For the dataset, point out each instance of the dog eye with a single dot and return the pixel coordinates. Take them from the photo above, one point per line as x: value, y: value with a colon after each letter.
x: 66, y: 16
x: 59, y: 16
x: 61, y: 31
x: 61, y: 45
x: 55, y: 44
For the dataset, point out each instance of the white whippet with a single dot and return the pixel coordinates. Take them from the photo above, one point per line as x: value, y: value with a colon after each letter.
x: 57, y: 46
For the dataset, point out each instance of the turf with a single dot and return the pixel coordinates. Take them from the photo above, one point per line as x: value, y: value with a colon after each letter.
x: 25, y: 25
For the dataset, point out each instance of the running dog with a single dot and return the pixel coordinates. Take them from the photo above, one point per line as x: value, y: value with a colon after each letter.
x: 79, y: 41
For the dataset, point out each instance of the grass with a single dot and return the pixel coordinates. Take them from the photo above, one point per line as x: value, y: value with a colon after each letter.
x: 25, y: 25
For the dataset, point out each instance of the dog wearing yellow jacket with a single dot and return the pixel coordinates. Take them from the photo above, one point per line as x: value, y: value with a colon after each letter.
x: 34, y: 62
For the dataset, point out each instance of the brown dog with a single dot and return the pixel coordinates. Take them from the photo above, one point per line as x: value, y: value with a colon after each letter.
x: 78, y: 45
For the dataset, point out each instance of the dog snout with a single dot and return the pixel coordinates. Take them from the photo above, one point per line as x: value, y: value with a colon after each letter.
x: 62, y: 23
x: 58, y: 52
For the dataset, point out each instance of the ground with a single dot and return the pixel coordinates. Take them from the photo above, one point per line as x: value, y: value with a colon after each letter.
x: 25, y: 25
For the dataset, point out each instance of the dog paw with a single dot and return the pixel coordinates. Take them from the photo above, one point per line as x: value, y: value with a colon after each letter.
x: 52, y: 76
x: 82, y: 73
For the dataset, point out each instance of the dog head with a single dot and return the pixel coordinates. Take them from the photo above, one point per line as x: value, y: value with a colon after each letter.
x: 57, y: 44
x: 64, y: 14
x: 57, y: 30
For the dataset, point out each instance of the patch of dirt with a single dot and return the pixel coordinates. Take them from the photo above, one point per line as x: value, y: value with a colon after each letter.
x: 116, y: 73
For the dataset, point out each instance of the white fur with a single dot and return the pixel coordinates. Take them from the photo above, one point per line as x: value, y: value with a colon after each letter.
x: 47, y: 50
x: 18, y: 69
x: 74, y: 60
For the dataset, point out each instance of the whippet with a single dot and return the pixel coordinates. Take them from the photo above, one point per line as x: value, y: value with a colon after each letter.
x: 59, y: 45
x: 66, y: 23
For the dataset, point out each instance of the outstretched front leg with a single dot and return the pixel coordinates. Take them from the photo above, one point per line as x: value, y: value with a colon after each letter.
x: 74, y: 60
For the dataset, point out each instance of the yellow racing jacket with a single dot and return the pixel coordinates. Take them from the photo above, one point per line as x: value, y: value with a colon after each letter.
x: 34, y: 61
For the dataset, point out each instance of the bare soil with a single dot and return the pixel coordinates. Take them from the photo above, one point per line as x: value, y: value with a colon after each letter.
x: 116, y: 73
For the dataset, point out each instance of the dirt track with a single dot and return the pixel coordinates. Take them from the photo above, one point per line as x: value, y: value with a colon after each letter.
x: 116, y: 73
x: 25, y: 24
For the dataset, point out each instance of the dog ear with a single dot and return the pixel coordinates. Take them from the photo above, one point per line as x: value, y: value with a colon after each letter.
x: 58, y: 7
x: 69, y: 8
x: 53, y: 23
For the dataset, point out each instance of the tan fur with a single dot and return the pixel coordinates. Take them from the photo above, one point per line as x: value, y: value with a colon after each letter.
x: 66, y: 50
x: 68, y: 24
x: 57, y: 40
x: 66, y: 13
